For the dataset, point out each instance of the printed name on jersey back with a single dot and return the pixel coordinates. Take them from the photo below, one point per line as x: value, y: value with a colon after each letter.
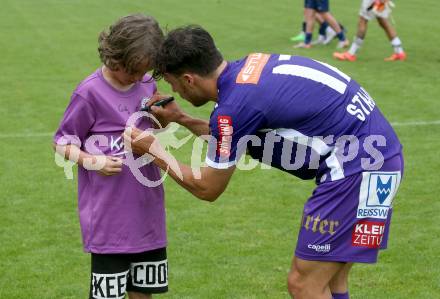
x: 225, y: 130
x: 362, y: 104
x: 251, y: 71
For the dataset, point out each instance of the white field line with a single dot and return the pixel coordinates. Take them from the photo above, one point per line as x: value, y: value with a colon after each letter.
x: 26, y: 135
x: 48, y: 134
x: 415, y: 123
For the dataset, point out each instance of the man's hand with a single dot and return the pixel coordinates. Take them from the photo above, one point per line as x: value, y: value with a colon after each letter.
x: 112, y: 165
x: 171, y: 112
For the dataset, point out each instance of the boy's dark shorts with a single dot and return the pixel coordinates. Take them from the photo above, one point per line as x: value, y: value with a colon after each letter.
x: 115, y: 274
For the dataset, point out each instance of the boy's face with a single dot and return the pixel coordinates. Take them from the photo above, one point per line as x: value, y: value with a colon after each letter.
x: 125, y: 78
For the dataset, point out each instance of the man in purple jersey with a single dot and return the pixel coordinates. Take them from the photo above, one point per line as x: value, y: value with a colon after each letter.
x: 299, y: 115
x: 122, y: 221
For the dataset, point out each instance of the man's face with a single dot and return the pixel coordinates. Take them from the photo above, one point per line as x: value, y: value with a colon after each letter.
x: 186, y: 87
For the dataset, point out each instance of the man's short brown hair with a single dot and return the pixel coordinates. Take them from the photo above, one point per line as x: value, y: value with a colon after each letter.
x: 187, y: 49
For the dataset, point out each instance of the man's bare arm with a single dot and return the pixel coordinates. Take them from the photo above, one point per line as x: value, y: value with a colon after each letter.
x: 206, y: 183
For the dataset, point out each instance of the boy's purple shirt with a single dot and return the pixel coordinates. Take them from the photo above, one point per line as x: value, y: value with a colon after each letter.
x: 117, y: 213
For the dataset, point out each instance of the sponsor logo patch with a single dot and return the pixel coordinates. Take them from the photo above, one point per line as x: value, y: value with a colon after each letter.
x: 322, y: 226
x: 252, y: 69
x: 383, y: 190
x: 367, y: 234
x: 144, y: 102
x: 225, y: 130
x: 377, y: 193
x: 320, y: 248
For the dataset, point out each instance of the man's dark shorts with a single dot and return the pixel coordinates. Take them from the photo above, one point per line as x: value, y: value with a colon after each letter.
x: 348, y: 220
x: 318, y: 5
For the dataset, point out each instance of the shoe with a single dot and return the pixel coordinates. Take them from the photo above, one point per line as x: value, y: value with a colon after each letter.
x: 302, y: 46
x: 319, y: 41
x: 343, y: 44
x: 396, y: 57
x: 344, y: 56
x: 298, y: 38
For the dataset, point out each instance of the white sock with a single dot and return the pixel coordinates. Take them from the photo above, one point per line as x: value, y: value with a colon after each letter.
x: 356, y: 45
x: 397, y: 45
x: 329, y: 30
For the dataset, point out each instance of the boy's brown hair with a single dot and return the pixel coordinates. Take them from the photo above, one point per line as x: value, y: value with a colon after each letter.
x: 129, y: 41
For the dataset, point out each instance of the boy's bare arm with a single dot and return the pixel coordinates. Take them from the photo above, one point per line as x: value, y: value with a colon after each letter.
x: 105, y: 165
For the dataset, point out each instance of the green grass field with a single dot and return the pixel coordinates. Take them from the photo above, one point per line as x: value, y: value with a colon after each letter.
x: 240, y: 246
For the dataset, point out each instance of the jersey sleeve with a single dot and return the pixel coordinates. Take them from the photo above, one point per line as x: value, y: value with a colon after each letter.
x: 231, y: 129
x: 77, y: 121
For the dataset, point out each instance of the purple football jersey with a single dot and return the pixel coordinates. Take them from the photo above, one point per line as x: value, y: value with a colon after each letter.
x: 300, y: 115
x: 117, y: 213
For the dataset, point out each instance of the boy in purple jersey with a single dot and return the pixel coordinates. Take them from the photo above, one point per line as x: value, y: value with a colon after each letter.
x: 299, y: 115
x: 122, y: 221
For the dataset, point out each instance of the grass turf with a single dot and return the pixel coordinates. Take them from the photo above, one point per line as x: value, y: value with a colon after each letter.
x: 240, y: 246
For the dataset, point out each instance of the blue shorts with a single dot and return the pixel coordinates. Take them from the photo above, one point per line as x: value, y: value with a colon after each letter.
x: 348, y: 220
x: 318, y: 5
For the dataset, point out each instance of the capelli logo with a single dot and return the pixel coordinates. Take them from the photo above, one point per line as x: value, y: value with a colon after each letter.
x: 320, y: 248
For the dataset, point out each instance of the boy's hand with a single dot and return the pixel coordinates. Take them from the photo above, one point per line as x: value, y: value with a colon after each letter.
x: 140, y: 142
x: 112, y: 166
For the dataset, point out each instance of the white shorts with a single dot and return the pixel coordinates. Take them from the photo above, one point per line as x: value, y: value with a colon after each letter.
x: 368, y: 12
